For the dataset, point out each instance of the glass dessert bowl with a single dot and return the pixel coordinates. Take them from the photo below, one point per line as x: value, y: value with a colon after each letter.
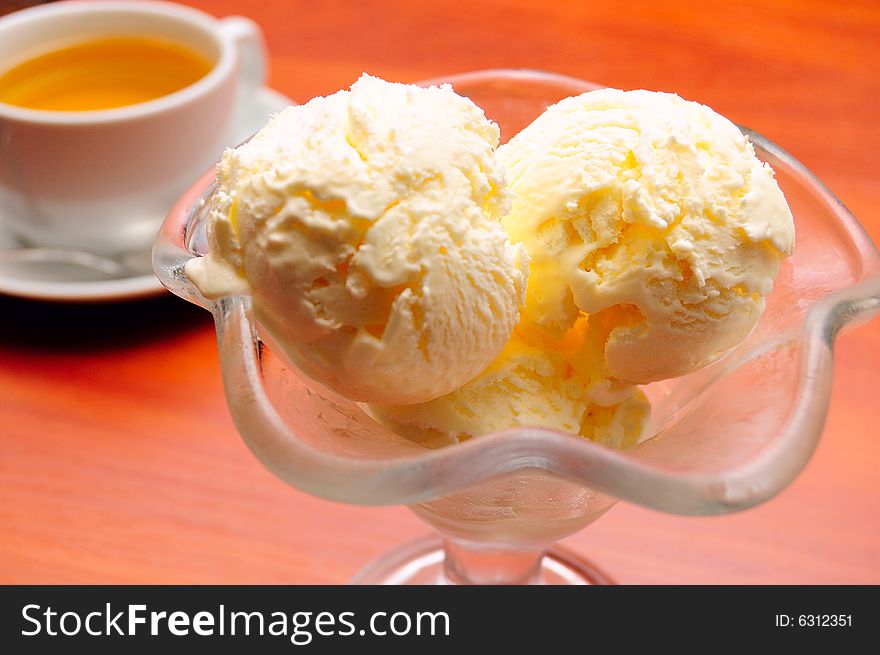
x: 721, y: 439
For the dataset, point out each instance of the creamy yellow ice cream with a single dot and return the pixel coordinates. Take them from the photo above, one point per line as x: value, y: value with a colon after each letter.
x: 366, y: 225
x: 388, y: 258
x: 652, y: 212
x: 533, y: 383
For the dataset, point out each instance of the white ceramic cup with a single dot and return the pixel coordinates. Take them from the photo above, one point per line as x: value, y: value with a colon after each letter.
x: 103, y: 180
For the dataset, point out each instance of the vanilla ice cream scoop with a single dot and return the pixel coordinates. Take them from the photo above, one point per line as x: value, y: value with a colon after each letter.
x: 531, y: 384
x: 366, y: 226
x: 654, y: 212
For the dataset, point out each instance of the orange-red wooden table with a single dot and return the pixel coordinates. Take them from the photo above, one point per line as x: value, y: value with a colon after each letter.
x: 119, y: 462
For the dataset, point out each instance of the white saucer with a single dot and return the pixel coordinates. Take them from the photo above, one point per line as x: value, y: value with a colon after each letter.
x: 28, y: 282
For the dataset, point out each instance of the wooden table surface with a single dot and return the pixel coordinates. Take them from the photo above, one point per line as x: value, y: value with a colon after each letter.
x: 119, y: 462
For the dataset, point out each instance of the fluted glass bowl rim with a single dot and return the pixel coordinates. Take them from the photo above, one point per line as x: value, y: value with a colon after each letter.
x: 436, y: 473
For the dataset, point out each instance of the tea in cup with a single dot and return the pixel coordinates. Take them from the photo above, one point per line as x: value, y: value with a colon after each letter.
x: 109, y: 110
x: 103, y: 73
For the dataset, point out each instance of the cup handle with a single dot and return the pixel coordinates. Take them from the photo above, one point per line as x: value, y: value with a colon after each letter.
x: 247, y: 37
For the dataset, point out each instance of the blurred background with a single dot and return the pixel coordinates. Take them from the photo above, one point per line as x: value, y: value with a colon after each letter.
x: 118, y: 459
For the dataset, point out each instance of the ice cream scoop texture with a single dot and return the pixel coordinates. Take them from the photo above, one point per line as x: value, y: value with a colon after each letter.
x: 366, y: 226
x: 386, y: 244
x: 652, y: 207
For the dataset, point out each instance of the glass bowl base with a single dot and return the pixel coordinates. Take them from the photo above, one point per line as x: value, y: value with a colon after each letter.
x: 421, y: 562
